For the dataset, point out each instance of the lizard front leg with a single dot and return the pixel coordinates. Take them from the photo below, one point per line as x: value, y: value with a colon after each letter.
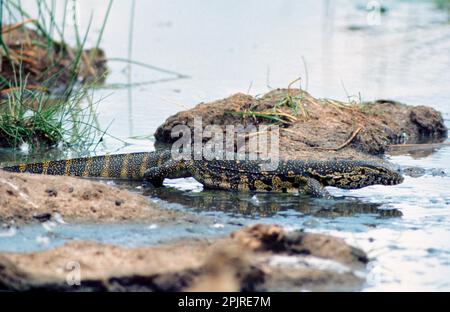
x: 171, y: 169
x: 154, y: 177
x: 314, y: 188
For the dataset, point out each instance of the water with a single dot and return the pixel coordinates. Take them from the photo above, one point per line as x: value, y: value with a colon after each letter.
x: 240, y: 46
x: 50, y: 234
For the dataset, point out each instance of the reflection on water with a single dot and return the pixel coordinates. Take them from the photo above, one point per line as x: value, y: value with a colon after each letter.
x: 227, y: 46
x: 267, y: 205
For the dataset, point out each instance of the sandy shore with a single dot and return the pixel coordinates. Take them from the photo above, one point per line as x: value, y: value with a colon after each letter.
x: 31, y: 198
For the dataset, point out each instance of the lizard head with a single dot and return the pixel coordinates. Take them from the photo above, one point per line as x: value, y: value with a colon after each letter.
x: 357, y: 174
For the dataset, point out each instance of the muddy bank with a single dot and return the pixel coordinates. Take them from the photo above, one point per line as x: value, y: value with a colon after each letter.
x: 319, y: 128
x: 46, y: 64
x: 28, y: 198
x: 260, y: 258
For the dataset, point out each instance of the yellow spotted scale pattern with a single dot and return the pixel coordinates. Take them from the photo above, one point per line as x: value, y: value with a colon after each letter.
x: 131, y: 166
x: 309, y: 177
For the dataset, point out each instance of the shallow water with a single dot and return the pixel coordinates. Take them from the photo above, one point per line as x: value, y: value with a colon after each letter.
x: 241, y: 46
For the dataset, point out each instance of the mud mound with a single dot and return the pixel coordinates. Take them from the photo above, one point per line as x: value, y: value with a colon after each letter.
x: 274, y: 238
x: 325, y: 129
x: 46, y: 64
x: 27, y: 198
x: 261, y: 257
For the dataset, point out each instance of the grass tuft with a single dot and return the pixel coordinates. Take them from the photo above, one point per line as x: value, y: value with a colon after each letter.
x: 287, y: 110
x: 45, y: 84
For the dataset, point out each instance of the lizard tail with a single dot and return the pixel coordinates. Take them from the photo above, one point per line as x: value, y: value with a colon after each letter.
x: 129, y: 166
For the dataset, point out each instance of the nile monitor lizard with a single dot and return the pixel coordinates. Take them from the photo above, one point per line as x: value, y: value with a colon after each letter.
x: 308, y: 177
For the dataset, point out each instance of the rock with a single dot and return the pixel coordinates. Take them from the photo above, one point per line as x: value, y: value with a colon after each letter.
x: 30, y: 198
x: 43, y: 217
x: 257, y: 258
x: 414, y: 172
x: 429, y: 122
x: 52, y: 192
x: 417, y: 172
x: 49, y: 70
x: 329, y: 124
x: 274, y: 238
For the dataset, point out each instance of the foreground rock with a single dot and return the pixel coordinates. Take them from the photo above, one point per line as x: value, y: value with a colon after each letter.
x: 27, y: 198
x: 325, y: 126
x: 258, y: 258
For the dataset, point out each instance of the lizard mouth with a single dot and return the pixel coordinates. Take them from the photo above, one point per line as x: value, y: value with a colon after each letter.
x: 394, y: 179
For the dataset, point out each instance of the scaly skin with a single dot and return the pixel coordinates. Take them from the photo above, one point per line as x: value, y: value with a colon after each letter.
x: 130, y: 166
x: 309, y: 177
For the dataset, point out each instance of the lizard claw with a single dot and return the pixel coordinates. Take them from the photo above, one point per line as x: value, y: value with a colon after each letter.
x: 151, y: 178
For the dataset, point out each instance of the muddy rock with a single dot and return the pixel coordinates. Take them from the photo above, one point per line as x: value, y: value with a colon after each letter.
x: 257, y: 258
x: 27, y: 198
x: 275, y: 239
x: 28, y: 52
x: 327, y: 127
